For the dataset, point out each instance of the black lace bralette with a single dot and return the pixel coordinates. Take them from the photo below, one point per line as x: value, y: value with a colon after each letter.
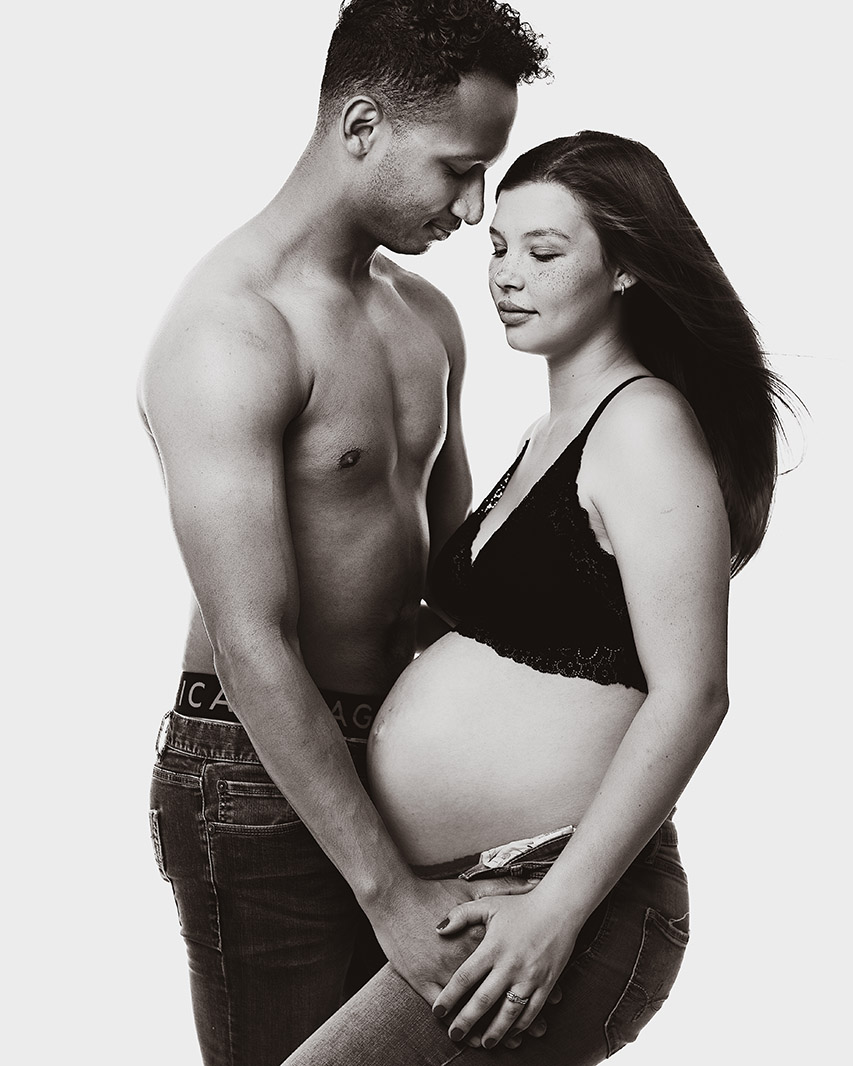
x: 542, y: 590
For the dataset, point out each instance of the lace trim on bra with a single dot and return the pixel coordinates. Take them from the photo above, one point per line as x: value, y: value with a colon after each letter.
x: 568, y: 518
x: 500, y: 488
x: 601, y: 666
x: 595, y: 567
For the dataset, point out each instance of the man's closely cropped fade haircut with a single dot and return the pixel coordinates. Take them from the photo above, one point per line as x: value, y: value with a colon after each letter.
x: 410, y: 53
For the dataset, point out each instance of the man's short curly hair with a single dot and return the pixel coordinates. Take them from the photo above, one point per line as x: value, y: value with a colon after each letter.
x: 413, y: 52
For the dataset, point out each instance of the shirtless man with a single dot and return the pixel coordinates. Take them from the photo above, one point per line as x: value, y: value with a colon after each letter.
x: 303, y: 398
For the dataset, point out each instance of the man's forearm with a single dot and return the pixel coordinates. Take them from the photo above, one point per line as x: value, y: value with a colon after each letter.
x: 302, y: 749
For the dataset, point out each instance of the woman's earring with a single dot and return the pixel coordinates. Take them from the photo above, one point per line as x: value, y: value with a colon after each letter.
x: 622, y: 288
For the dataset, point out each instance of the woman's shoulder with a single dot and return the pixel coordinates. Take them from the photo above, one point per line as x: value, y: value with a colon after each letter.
x: 649, y: 428
x: 649, y: 412
x: 527, y: 435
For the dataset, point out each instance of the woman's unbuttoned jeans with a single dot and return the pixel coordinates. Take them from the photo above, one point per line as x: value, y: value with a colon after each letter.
x: 624, y: 964
x: 276, y: 941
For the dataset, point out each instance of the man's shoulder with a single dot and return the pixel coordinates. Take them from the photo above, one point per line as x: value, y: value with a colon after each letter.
x: 219, y: 300
x: 426, y: 299
x: 221, y: 335
x: 414, y: 288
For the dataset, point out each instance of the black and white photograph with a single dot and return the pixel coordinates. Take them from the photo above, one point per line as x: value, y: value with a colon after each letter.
x: 427, y: 532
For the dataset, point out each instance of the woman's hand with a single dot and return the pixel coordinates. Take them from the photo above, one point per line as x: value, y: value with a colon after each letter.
x: 406, y: 928
x: 524, y: 951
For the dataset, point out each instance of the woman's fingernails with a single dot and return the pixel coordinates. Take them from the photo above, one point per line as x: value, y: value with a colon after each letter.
x: 439, y: 1011
x: 455, y: 1034
x: 489, y: 1041
x: 443, y: 924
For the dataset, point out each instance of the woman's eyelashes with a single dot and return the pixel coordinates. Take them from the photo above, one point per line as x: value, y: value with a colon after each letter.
x: 539, y: 256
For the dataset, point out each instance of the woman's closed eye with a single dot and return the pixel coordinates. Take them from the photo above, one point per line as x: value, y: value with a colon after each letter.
x: 541, y: 256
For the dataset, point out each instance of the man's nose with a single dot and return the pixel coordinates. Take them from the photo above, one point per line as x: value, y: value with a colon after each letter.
x: 469, y: 205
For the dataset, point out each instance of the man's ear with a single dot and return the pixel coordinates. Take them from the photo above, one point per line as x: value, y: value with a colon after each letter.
x: 361, y: 121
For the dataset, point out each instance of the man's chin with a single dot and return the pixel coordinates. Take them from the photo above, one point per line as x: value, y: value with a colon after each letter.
x: 410, y: 245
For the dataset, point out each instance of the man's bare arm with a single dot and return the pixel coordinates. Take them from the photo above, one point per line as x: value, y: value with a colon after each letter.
x: 218, y: 403
x: 449, y: 489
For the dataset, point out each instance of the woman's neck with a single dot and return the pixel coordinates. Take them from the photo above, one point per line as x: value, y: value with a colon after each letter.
x: 586, y: 377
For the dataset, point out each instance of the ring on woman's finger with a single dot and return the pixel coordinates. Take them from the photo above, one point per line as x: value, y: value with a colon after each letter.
x: 514, y: 997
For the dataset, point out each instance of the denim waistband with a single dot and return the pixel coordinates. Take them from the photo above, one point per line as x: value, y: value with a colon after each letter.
x: 532, y: 857
x: 202, y: 724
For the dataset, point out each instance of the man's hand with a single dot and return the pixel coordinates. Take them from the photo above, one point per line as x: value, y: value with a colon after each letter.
x: 525, y: 949
x: 427, y: 960
x: 406, y: 929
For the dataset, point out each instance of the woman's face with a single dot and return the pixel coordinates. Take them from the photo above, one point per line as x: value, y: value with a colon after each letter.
x: 551, y: 286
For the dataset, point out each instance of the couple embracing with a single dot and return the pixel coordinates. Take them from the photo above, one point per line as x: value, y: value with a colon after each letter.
x: 491, y: 816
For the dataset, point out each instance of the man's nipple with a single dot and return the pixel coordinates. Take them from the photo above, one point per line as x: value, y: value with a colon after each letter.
x: 349, y: 458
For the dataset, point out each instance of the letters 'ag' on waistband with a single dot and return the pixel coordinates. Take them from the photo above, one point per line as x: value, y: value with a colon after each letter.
x: 202, y: 696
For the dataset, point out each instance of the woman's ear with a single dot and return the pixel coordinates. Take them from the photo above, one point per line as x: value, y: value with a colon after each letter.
x: 623, y: 281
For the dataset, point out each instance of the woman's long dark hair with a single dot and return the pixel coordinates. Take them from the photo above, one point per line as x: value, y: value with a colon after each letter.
x: 683, y: 319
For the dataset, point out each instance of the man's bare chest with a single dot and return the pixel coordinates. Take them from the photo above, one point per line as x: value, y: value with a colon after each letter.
x: 376, y: 416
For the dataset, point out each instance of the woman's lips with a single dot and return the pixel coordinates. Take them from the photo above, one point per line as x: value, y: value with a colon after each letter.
x: 511, y: 314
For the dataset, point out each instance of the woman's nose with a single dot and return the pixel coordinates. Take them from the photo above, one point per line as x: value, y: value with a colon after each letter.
x: 505, y: 276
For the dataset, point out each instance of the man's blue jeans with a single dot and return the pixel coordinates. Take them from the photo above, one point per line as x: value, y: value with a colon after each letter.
x: 624, y: 964
x: 275, y: 939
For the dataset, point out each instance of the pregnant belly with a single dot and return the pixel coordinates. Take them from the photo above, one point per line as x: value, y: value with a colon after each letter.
x: 471, y: 750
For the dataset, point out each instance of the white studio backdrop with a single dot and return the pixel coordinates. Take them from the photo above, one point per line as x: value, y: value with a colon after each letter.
x: 142, y: 134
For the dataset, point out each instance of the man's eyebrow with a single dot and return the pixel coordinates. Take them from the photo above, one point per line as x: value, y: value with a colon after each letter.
x: 470, y: 161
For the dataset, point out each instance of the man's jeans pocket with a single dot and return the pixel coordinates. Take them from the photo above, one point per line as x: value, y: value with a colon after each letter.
x: 245, y: 800
x: 154, y: 825
x: 655, y: 969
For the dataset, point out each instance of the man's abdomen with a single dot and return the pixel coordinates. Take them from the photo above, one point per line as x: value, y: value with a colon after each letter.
x: 361, y: 577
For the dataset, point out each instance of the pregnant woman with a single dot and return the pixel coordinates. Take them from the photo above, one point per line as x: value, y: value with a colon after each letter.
x: 550, y: 734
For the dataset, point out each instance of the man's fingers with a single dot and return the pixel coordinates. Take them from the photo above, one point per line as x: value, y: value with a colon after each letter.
x: 461, y: 985
x: 480, y: 1002
x: 538, y: 1028
x: 503, y: 886
x: 463, y: 915
x: 514, y: 1036
x: 517, y: 1012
